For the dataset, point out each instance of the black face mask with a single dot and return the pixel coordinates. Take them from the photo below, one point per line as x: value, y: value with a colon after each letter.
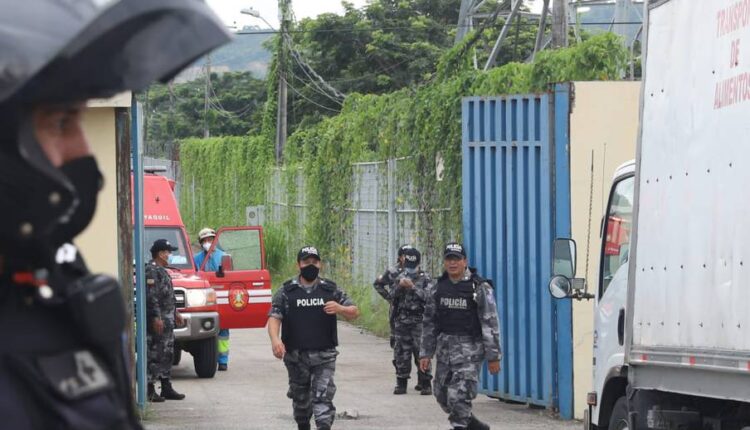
x: 309, y: 272
x: 85, y: 177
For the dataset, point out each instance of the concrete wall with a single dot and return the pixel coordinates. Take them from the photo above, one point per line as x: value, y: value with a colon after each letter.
x: 604, y: 120
x: 98, y: 243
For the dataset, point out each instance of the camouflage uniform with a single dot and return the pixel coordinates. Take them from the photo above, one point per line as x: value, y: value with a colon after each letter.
x: 385, y: 287
x: 408, y: 310
x: 459, y: 358
x: 311, y: 372
x: 160, y: 303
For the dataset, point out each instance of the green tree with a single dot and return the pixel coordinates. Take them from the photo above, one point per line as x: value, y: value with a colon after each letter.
x: 176, y: 111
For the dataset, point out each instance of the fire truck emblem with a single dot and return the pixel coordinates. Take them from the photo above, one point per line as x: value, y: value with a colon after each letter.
x: 238, y: 299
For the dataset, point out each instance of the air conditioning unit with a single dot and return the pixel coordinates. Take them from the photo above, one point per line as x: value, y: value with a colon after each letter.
x: 255, y: 215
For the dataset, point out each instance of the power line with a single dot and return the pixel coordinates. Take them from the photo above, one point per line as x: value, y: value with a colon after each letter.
x: 308, y: 70
x: 311, y: 101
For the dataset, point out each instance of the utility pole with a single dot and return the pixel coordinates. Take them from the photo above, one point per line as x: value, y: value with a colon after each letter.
x: 206, y: 131
x: 281, y: 117
x: 560, y: 23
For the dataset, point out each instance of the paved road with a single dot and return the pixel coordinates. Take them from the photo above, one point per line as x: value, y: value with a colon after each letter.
x: 252, y: 394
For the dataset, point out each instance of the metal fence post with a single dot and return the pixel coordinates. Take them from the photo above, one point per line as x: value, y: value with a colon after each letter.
x: 391, y: 166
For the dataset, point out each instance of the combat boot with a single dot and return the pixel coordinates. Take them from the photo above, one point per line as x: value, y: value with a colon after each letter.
x: 475, y: 424
x: 168, y: 392
x: 152, y: 396
x: 424, y: 386
x: 400, y: 386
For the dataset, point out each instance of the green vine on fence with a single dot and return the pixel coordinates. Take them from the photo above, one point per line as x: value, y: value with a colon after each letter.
x: 418, y: 124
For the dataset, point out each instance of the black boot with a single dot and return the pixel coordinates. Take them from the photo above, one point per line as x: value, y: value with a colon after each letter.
x: 400, y: 386
x: 475, y: 424
x: 305, y: 426
x: 152, y: 396
x: 168, y: 392
x: 426, y: 388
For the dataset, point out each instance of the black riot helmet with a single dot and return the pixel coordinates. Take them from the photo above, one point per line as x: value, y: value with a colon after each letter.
x: 54, y: 51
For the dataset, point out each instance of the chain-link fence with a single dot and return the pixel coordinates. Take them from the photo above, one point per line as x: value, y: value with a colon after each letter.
x: 385, y: 215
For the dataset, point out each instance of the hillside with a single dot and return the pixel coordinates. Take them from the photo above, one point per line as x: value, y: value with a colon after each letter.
x: 245, y: 53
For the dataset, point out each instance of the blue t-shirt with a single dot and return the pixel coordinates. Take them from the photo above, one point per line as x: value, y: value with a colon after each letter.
x: 213, y: 262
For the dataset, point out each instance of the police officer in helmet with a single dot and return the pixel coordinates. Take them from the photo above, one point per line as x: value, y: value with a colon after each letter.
x: 304, y: 309
x: 62, y: 352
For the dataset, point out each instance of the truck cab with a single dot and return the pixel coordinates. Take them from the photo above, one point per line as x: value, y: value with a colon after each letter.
x: 607, y: 408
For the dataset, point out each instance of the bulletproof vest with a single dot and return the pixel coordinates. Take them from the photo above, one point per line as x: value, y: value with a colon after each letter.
x: 457, y: 308
x: 306, y: 326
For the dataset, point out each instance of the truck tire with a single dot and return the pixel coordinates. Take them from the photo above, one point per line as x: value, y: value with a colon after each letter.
x: 619, y: 418
x: 177, y: 356
x: 205, y: 354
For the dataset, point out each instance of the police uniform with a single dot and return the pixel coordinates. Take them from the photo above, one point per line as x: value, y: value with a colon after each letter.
x: 160, y: 304
x: 310, y: 338
x: 63, y: 351
x: 385, y: 287
x: 461, y: 330
x: 408, y: 310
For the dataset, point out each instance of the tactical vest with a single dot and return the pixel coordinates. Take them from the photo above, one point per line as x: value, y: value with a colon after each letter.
x: 457, y: 310
x: 306, y: 326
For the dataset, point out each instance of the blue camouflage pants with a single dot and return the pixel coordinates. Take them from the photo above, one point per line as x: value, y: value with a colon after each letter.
x: 311, y: 385
x: 455, y: 387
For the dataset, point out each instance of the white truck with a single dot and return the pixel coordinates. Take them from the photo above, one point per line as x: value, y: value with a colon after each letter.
x: 672, y: 302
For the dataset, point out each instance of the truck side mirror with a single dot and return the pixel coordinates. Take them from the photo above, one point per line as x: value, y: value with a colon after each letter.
x: 564, y: 258
x: 560, y: 287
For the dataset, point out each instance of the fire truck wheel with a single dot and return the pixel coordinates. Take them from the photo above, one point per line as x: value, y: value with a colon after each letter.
x: 177, y: 355
x: 205, y: 356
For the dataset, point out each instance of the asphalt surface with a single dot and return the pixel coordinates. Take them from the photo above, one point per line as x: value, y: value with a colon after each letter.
x: 252, y: 393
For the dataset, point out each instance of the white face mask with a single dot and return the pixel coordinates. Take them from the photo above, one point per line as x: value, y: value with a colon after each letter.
x: 206, y: 245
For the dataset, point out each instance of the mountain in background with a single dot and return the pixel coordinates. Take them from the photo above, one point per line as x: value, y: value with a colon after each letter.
x: 245, y: 53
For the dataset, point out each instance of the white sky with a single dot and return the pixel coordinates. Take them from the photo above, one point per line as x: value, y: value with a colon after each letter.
x: 229, y: 10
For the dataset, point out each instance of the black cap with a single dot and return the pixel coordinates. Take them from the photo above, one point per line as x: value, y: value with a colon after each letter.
x: 412, y: 258
x: 308, y: 251
x: 454, y: 249
x: 162, y: 245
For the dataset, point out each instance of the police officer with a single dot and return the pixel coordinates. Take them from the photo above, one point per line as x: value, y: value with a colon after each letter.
x: 304, y: 309
x: 461, y: 329
x: 384, y: 286
x: 162, y: 318
x: 63, y: 365
x: 206, y: 238
x: 409, y: 294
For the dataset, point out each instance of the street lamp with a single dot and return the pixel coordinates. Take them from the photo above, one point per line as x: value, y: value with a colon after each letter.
x: 254, y: 13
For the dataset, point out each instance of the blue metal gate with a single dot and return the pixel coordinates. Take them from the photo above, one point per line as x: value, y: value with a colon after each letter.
x: 516, y: 200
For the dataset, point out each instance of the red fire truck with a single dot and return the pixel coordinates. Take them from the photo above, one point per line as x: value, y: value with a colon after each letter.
x: 238, y: 295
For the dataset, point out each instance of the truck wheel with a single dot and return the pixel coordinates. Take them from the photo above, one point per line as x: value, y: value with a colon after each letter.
x: 205, y: 356
x: 619, y: 418
x: 177, y: 355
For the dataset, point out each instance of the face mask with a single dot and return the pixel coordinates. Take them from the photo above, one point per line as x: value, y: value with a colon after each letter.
x: 309, y: 272
x: 411, y: 270
x: 85, y: 177
x: 206, y: 246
